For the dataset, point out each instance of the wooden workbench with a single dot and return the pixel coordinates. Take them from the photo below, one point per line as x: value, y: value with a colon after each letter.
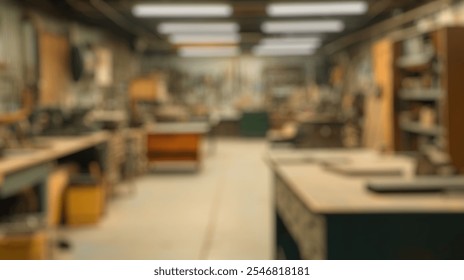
x: 325, y: 214
x: 31, y: 168
x: 55, y: 147
x: 175, y: 143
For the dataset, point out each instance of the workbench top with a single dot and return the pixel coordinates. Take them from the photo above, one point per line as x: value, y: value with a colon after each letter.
x: 299, y: 156
x: 179, y: 128
x: 55, y: 147
x: 327, y: 191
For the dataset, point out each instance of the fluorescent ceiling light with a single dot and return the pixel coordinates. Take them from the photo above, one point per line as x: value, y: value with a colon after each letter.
x: 195, y: 27
x: 287, y: 47
x: 182, y: 10
x: 307, y: 26
x: 317, y: 9
x: 208, y: 51
x: 204, y: 38
x: 282, y: 52
x: 291, y: 40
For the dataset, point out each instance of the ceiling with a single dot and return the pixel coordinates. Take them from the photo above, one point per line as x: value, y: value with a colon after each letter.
x: 116, y: 15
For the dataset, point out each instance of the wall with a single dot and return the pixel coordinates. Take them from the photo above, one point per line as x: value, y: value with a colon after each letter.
x: 18, y: 67
x: 11, y: 78
x: 222, y: 82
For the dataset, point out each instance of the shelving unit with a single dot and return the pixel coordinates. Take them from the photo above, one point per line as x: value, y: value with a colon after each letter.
x: 429, y: 91
x: 281, y: 82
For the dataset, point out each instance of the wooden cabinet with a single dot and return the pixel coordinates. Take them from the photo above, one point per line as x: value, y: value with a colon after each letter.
x: 174, y: 148
x: 176, y: 143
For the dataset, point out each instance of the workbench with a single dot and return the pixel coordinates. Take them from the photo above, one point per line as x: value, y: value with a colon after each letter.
x: 326, y: 214
x: 26, y: 168
x: 176, y: 143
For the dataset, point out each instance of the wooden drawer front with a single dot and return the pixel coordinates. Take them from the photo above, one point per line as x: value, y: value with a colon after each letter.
x: 172, y: 142
x: 307, y: 229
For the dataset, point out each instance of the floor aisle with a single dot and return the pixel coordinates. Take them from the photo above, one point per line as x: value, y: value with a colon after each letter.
x: 223, y: 212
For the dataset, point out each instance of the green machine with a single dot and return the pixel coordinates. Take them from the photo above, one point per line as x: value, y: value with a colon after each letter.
x: 254, y: 124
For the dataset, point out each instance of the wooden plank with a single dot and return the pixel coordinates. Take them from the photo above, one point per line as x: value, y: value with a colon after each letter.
x: 379, y: 129
x: 55, y: 66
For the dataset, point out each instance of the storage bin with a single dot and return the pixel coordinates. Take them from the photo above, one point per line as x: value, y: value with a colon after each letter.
x: 85, y: 200
x: 27, y: 246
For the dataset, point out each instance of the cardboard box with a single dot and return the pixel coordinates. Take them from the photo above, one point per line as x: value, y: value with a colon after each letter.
x: 31, y: 246
x: 84, y: 205
x: 427, y: 117
x: 152, y: 87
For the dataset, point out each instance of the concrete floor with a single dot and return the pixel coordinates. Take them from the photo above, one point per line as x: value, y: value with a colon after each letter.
x: 222, y: 212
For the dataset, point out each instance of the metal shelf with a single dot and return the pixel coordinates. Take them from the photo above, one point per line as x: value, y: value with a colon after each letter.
x: 420, y: 94
x: 415, y: 61
x: 414, y: 127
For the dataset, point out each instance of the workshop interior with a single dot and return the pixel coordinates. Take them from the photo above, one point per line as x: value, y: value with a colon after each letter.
x: 231, y: 130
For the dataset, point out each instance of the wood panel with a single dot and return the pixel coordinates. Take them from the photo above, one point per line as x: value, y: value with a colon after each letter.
x: 55, y: 75
x: 379, y: 128
x: 454, y: 86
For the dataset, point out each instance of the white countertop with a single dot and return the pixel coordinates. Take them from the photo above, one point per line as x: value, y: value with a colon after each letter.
x: 179, y: 128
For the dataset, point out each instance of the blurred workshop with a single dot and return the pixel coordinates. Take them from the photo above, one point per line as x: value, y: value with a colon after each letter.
x: 231, y: 130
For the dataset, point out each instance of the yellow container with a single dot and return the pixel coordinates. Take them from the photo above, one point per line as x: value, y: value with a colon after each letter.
x: 31, y: 246
x: 84, y: 205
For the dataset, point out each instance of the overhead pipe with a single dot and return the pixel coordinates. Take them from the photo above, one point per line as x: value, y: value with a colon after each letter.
x: 385, y: 26
x: 120, y: 20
